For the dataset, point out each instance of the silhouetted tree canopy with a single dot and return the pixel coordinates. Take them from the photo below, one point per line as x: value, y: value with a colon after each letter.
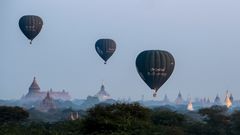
x: 235, y: 123
x: 126, y: 119
x: 12, y: 114
x: 217, y: 120
x: 116, y: 118
x: 167, y: 118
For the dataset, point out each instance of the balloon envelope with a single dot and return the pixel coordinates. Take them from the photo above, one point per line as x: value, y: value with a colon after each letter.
x: 105, y: 48
x: 155, y: 67
x: 30, y: 25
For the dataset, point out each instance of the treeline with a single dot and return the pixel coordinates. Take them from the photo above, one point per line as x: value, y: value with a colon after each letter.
x: 125, y: 119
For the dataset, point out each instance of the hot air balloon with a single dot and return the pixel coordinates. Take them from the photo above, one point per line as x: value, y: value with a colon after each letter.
x: 155, y: 67
x: 30, y: 25
x: 105, y: 48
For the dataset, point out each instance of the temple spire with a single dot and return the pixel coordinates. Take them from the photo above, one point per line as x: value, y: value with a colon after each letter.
x: 228, y: 102
x: 102, y: 94
x: 102, y: 87
x: 217, y: 100
x: 190, y: 106
x: 34, y: 87
x: 179, y: 99
x: 48, y: 95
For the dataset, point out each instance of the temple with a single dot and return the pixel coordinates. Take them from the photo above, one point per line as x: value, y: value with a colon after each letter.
x: 47, y: 104
x: 190, y: 106
x: 217, y: 100
x: 179, y: 99
x: 35, y: 93
x: 228, y: 101
x: 102, y: 94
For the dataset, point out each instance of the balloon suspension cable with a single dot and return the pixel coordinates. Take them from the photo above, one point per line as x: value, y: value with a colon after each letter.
x: 155, y: 93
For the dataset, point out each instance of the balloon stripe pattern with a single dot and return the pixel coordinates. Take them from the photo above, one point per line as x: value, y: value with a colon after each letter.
x: 105, y: 48
x: 30, y: 25
x: 155, y: 67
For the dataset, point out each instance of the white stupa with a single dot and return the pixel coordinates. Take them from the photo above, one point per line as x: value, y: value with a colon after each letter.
x: 102, y: 94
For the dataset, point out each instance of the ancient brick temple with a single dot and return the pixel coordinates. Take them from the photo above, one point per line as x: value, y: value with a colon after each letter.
x: 35, y: 93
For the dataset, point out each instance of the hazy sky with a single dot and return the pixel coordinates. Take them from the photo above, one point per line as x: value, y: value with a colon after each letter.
x: 202, y: 35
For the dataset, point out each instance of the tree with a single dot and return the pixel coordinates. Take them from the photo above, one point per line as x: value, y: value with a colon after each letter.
x: 167, y: 122
x: 217, y: 119
x: 167, y: 117
x: 12, y: 114
x: 235, y: 123
x: 117, y: 118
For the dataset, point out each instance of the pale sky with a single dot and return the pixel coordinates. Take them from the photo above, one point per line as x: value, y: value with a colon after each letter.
x: 202, y: 35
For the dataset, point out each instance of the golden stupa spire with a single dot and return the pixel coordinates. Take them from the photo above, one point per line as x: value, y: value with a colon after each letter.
x: 228, y: 102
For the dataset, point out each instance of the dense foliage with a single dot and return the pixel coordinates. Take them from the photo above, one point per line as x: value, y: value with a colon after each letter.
x: 12, y: 114
x: 126, y: 119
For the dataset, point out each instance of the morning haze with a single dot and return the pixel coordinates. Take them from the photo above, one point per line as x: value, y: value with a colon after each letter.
x: 203, y: 37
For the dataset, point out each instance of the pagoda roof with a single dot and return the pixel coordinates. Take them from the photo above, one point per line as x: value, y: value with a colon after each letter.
x: 34, y: 85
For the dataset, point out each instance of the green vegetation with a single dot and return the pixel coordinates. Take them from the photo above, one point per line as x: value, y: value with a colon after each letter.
x: 125, y: 119
x: 12, y: 114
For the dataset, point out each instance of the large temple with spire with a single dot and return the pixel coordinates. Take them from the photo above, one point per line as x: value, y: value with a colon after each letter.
x: 35, y: 93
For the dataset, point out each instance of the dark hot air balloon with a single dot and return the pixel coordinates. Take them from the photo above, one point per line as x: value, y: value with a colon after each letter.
x: 30, y: 25
x: 105, y: 48
x: 155, y: 67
